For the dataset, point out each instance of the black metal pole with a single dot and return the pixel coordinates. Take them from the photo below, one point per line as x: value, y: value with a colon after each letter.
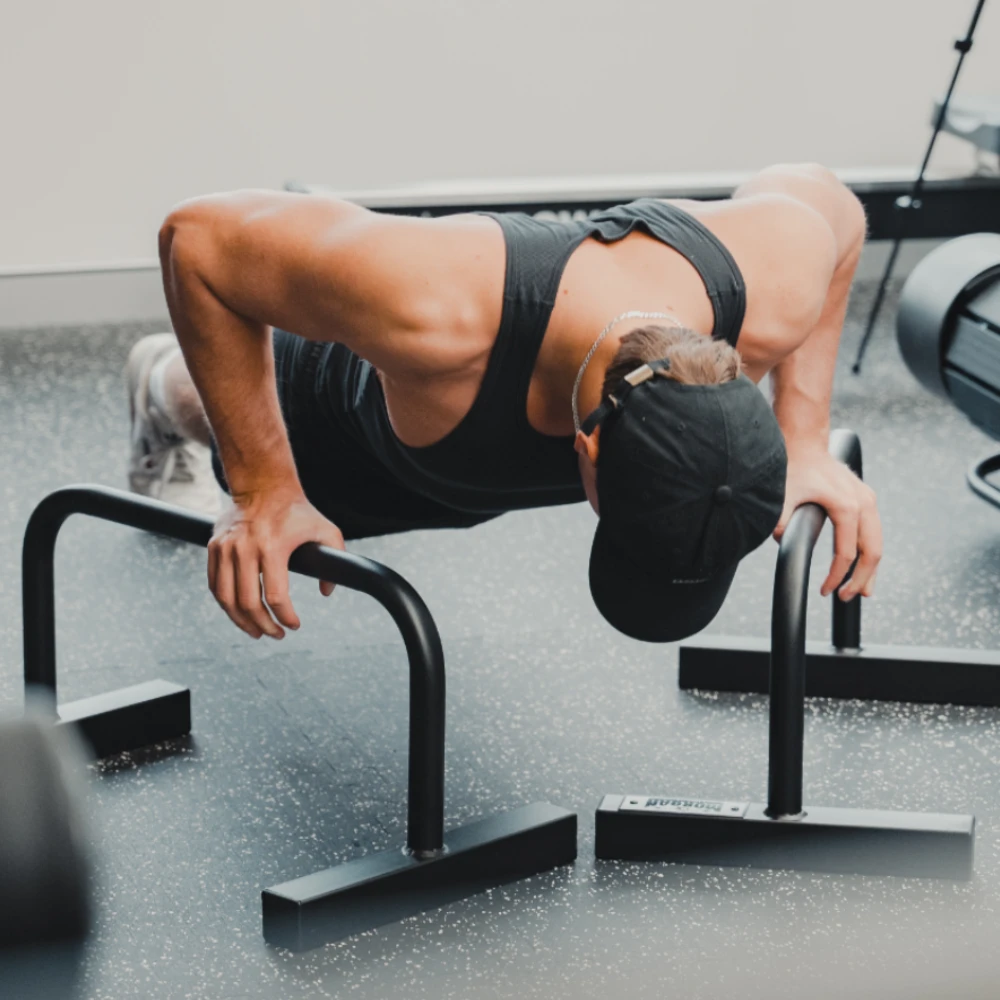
x: 911, y: 203
x: 846, y: 447
x: 425, y: 801
x: 846, y: 623
x: 788, y: 661
x: 788, y: 641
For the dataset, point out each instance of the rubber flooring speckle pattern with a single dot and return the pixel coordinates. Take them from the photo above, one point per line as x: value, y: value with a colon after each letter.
x: 297, y: 759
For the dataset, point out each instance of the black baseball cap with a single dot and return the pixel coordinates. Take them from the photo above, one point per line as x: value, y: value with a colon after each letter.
x: 690, y: 478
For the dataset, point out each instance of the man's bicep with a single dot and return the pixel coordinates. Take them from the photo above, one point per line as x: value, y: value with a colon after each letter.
x: 319, y: 267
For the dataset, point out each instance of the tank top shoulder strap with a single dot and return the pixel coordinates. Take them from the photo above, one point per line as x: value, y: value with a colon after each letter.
x: 708, y: 255
x: 537, y: 253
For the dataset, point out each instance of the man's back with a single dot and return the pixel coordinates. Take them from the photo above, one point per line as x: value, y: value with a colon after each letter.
x: 784, y: 248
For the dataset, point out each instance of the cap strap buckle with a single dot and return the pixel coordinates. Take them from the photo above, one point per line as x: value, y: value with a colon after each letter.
x: 641, y: 374
x: 613, y: 402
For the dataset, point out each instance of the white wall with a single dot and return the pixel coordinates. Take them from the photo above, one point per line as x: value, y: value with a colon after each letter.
x: 113, y: 110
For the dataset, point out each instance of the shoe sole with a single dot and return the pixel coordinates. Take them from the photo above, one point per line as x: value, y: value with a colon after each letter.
x: 143, y: 356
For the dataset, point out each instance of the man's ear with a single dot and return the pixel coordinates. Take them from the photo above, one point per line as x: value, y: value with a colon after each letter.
x: 588, y: 445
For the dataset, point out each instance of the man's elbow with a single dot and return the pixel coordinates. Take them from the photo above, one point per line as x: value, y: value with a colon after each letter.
x: 187, y: 232
x: 852, y: 230
x: 845, y: 213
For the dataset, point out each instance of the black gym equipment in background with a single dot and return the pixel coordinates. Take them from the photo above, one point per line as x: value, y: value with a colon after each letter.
x: 949, y: 207
x: 948, y: 326
x: 435, y: 867
x: 912, y: 202
x: 948, y: 329
x: 784, y: 833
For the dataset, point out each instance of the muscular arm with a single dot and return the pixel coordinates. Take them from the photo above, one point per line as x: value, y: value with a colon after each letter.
x: 802, y: 378
x: 236, y: 265
x: 802, y: 383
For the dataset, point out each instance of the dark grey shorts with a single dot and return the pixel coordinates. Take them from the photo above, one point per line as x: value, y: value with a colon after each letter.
x: 341, y: 478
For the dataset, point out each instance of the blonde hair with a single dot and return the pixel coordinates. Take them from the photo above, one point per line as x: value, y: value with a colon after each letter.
x: 694, y: 358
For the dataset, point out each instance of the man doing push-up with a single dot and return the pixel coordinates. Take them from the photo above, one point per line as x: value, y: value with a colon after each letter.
x: 439, y: 372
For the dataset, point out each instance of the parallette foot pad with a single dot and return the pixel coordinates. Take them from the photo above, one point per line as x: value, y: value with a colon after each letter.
x: 922, y: 674
x: 823, y: 839
x: 131, y: 717
x: 386, y: 887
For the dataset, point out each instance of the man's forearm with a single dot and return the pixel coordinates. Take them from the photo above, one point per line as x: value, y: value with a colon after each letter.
x: 802, y: 383
x: 801, y: 388
x: 231, y: 363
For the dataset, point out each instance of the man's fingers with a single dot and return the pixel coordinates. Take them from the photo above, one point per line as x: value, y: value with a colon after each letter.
x: 333, y: 538
x: 248, y: 562
x: 225, y: 590
x: 786, y: 515
x: 213, y: 566
x: 870, y: 549
x: 223, y: 581
x: 845, y: 535
x: 248, y: 591
x: 860, y: 578
x: 275, y: 575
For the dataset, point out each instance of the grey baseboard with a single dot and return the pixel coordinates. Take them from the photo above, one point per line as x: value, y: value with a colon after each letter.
x: 82, y: 295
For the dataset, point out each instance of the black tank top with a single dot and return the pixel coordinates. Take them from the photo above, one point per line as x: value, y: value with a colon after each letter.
x: 494, y: 460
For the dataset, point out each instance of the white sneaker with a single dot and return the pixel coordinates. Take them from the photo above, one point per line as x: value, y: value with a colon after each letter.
x: 162, y: 463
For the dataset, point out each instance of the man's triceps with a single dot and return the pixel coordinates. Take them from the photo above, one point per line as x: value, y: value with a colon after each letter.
x: 330, y: 270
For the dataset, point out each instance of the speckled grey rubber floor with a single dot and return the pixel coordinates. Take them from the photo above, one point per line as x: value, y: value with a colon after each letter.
x: 297, y: 760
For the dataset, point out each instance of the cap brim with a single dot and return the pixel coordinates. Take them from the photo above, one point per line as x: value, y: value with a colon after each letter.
x: 641, y: 599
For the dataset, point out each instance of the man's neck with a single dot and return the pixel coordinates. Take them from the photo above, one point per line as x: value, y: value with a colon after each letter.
x: 591, y: 393
x: 558, y: 365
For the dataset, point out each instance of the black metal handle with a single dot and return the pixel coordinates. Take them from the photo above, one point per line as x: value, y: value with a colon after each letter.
x: 788, y: 643
x: 978, y: 483
x: 846, y: 447
x: 425, y: 805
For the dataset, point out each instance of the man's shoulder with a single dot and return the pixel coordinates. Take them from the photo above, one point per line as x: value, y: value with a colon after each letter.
x: 787, y: 254
x: 777, y: 240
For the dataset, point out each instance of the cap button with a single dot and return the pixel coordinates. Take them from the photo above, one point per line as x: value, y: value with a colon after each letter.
x: 723, y: 494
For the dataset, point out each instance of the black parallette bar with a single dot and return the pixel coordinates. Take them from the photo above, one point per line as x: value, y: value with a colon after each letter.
x: 845, y: 446
x: 383, y: 888
x: 130, y: 717
x: 788, y: 664
x: 425, y: 818
x: 922, y: 674
x: 847, y: 841
x: 788, y: 642
x: 846, y: 623
x: 785, y: 834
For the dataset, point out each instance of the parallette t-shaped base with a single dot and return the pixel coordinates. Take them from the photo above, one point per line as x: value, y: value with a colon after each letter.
x: 823, y: 839
x: 386, y: 887
x: 131, y: 717
x: 924, y: 674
